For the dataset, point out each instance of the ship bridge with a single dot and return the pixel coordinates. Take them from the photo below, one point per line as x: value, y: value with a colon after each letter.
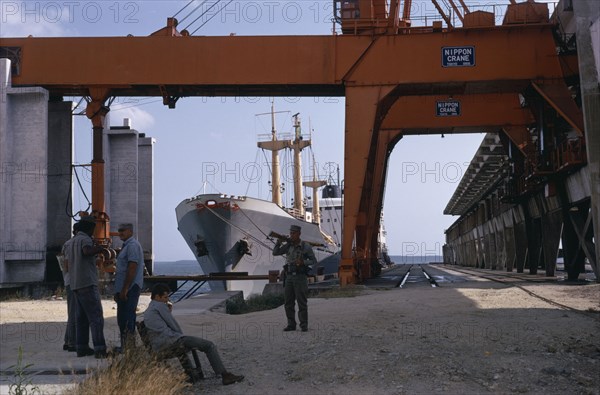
x: 468, y: 72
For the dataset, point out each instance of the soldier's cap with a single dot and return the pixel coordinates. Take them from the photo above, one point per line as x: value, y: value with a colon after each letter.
x: 125, y: 226
x: 295, y: 228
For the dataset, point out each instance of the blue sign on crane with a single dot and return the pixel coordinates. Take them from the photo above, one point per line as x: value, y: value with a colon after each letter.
x: 447, y: 108
x: 458, y: 56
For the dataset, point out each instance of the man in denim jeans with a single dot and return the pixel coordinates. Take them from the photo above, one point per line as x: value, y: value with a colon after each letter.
x: 129, y: 280
x: 84, y: 284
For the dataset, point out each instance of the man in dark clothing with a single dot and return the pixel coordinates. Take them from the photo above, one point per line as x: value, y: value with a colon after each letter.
x: 167, y: 337
x: 84, y: 283
x: 64, y: 261
x: 299, y: 258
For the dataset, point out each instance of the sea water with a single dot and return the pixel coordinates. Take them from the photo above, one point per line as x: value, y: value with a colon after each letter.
x: 181, y: 268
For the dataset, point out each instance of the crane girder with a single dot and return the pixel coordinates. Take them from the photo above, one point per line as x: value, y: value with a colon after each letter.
x: 301, y: 65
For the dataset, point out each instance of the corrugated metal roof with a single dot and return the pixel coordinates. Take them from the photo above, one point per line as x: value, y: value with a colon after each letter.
x: 488, y: 166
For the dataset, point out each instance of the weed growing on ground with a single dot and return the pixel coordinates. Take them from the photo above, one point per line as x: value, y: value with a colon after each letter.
x: 21, y: 382
x: 348, y: 291
x: 134, y: 372
x: 60, y: 293
x: 12, y: 295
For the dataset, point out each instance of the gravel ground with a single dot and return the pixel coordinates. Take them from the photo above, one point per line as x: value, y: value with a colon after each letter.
x: 467, y: 338
x: 472, y: 337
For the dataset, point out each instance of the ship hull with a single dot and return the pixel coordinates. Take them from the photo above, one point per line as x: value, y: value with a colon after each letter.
x: 230, y: 234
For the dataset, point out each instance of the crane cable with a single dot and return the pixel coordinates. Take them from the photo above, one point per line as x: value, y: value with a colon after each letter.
x: 215, y: 14
x: 202, y: 13
x: 69, y: 196
x: 237, y: 227
x: 190, y: 13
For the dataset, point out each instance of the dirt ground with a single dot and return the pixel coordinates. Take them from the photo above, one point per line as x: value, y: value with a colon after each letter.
x: 470, y: 337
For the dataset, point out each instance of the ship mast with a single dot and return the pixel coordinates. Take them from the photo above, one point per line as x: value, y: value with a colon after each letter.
x: 274, y: 146
x: 315, y: 184
x: 298, y: 145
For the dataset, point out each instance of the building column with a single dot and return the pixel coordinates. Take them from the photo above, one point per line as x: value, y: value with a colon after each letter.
x: 145, y: 215
x: 499, y: 241
x: 573, y: 239
x: 480, y: 246
x: 551, y: 231
x: 122, y: 175
x: 520, y: 230
x: 509, y: 240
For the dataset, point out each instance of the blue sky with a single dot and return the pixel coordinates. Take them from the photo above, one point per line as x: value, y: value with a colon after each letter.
x: 214, y: 139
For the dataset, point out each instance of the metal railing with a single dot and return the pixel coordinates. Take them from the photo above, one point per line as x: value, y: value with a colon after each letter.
x: 346, y: 13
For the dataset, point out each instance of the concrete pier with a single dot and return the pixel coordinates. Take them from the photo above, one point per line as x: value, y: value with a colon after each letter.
x: 23, y: 195
x: 129, y: 158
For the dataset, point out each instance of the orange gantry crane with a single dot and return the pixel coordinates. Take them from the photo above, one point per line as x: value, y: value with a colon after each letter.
x: 397, y: 80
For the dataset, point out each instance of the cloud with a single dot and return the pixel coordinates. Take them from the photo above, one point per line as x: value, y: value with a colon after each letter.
x: 140, y: 120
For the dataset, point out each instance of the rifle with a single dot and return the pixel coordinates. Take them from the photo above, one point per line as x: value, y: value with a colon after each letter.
x: 279, y: 236
x: 287, y: 239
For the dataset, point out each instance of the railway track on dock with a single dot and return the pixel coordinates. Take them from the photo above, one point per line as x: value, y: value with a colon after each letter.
x: 428, y: 276
x: 513, y: 280
x: 403, y: 276
x: 417, y: 276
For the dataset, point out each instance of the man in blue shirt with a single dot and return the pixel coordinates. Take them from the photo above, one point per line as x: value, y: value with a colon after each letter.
x: 129, y: 280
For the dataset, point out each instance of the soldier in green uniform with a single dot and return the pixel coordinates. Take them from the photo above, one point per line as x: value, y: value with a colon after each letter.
x: 299, y: 258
